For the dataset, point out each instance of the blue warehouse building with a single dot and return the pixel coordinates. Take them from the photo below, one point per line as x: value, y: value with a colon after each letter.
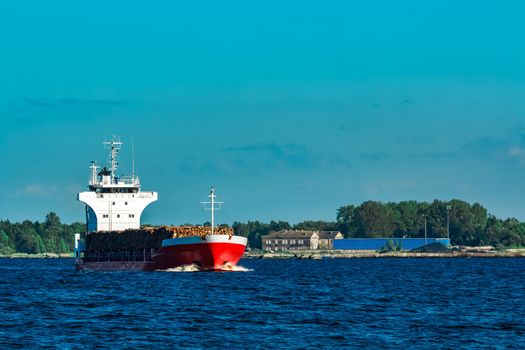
x: 378, y: 243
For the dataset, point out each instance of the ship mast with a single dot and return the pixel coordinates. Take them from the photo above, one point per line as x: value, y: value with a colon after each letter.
x: 132, y: 158
x: 94, y: 171
x: 114, y: 145
x: 212, y: 207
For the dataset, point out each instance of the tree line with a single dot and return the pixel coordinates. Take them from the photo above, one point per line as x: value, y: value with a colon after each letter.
x: 50, y: 236
x: 468, y: 224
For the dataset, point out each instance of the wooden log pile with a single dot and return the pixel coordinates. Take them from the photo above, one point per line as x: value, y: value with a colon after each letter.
x: 147, y: 238
x: 188, y: 231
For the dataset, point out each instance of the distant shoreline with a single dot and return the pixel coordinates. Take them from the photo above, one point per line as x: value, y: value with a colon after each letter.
x: 37, y: 256
x: 325, y: 254
x: 346, y: 254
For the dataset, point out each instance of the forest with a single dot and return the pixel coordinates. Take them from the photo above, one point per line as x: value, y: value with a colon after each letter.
x: 468, y: 224
x: 50, y: 236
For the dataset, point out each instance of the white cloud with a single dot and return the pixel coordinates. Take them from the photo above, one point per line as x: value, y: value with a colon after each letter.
x: 37, y: 190
x: 517, y: 152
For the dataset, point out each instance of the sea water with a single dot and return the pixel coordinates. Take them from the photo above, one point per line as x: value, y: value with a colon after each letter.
x: 266, y: 304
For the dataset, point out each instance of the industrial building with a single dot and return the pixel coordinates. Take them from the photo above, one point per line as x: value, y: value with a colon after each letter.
x: 378, y: 243
x: 300, y: 240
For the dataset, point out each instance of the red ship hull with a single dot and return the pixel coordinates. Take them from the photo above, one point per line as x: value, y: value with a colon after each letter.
x: 213, y: 252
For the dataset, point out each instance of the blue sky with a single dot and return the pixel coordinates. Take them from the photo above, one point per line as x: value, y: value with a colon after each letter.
x: 290, y: 109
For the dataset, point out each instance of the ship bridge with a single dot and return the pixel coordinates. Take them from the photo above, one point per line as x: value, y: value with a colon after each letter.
x: 114, y: 203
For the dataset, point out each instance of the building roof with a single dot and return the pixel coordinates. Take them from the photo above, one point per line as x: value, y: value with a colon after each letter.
x: 328, y: 234
x: 294, y: 234
x: 290, y: 234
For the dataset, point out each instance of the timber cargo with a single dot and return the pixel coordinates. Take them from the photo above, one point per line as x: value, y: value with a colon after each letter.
x: 146, y: 238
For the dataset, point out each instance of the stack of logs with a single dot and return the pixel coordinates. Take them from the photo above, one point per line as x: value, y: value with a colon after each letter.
x: 148, y: 237
x: 188, y: 231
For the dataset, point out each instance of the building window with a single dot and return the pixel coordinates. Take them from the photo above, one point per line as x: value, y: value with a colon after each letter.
x: 125, y: 203
x: 113, y: 203
x: 104, y: 215
x: 118, y: 215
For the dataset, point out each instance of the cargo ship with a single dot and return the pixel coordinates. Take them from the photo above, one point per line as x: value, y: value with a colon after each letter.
x: 115, y: 240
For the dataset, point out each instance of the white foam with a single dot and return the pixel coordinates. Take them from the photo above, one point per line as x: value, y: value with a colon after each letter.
x: 235, y: 268
x: 196, y: 268
x: 183, y: 268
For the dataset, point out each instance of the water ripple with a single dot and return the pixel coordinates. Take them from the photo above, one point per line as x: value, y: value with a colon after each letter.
x: 369, y: 303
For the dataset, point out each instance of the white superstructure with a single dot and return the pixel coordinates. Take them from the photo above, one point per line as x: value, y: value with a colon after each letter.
x: 114, y: 203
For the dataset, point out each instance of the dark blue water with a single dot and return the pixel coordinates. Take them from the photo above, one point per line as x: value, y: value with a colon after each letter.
x: 367, y: 303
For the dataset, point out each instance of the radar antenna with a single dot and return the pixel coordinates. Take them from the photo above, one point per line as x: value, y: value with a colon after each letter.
x: 114, y: 145
x: 132, y: 157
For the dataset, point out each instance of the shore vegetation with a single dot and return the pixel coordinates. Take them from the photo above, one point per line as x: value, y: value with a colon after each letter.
x: 50, y: 236
x: 467, y: 224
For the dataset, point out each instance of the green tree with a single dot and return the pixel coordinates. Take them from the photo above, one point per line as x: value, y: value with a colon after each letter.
x: 374, y: 219
x: 5, y: 246
x: 278, y: 226
x: 316, y: 226
x: 408, y: 220
x: 345, y: 219
x: 52, y: 220
x: 467, y: 223
x: 493, y: 232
